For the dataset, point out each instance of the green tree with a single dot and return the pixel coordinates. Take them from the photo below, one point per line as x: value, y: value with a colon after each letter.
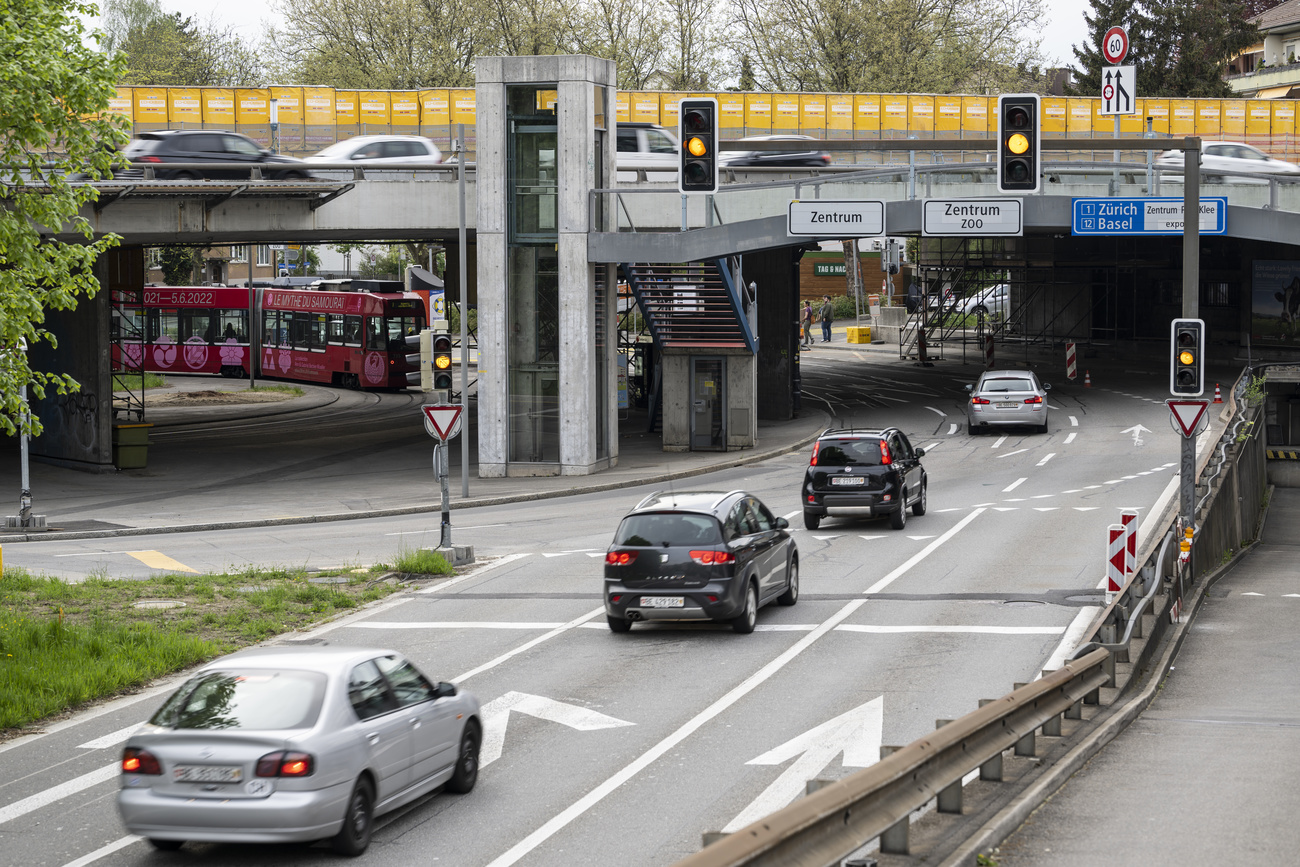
x: 54, y: 113
x: 1086, y: 76
x: 631, y: 33
x: 170, y: 49
x: 178, y: 264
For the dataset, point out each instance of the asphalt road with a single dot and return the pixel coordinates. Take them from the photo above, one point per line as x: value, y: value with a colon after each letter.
x: 631, y: 746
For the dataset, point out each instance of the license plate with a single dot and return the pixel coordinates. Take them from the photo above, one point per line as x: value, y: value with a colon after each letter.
x: 207, y: 774
x: 848, y: 480
x: 1007, y: 404
x: 663, y: 602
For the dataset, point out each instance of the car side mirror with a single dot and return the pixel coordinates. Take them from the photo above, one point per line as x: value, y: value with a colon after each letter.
x: 1047, y: 386
x: 444, y: 690
x: 969, y: 386
x: 920, y: 453
x: 782, y: 523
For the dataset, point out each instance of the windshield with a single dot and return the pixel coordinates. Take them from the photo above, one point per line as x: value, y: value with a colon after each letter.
x: 338, y: 149
x: 668, y: 529
x: 1007, y: 383
x: 250, y: 699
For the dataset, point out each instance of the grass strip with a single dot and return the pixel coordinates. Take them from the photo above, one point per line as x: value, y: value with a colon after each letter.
x: 63, y: 645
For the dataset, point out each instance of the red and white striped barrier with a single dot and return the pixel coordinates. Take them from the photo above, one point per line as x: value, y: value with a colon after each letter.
x: 988, y: 351
x: 1071, y: 371
x: 1129, y: 520
x: 1116, y: 556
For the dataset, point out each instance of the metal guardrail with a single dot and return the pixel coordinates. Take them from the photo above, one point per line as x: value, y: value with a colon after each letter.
x: 877, y: 802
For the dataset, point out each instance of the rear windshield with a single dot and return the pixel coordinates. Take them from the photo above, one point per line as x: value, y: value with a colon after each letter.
x: 849, y: 453
x: 253, y: 699
x: 1007, y: 384
x: 671, y: 529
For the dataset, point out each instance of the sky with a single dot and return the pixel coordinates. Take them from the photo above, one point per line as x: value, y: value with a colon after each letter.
x: 1063, y: 21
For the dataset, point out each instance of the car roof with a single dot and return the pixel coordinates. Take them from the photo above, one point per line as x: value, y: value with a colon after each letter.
x: 325, y: 659
x: 685, y: 501
x: 846, y: 432
x: 377, y: 137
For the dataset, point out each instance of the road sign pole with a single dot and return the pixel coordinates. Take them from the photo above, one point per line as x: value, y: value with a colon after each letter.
x: 444, y: 469
x: 464, y: 315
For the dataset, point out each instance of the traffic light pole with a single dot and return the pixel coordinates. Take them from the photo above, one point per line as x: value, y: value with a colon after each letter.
x: 464, y: 338
x: 1191, y: 303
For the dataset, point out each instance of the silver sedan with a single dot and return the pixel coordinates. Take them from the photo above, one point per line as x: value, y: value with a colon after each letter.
x: 1007, y: 397
x: 296, y: 744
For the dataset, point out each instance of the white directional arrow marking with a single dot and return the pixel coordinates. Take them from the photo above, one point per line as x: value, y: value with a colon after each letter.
x: 881, y: 537
x: 496, y: 715
x: 1137, y: 430
x: 1252, y: 594
x: 856, y: 734
x: 1086, y: 508
x: 826, y: 538
x: 919, y: 538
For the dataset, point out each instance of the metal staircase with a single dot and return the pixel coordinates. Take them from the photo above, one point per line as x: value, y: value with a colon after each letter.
x: 692, y: 305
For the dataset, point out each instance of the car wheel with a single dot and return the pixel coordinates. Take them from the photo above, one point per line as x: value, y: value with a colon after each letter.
x: 811, y: 521
x: 898, y: 517
x: 185, y: 176
x: 918, y: 508
x: 744, y: 622
x: 981, y: 310
x: 1042, y: 428
x: 466, y: 774
x: 791, y: 594
x: 166, y: 845
x: 970, y: 429
x: 618, y: 624
x: 358, y: 821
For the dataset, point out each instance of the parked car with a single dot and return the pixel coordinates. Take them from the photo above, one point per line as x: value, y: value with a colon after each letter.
x: 864, y: 474
x: 1230, y: 156
x: 995, y: 301
x: 202, y: 146
x: 295, y: 744
x: 798, y: 155
x: 381, y: 150
x: 645, y: 147
x: 1007, y: 397
x: 699, y: 555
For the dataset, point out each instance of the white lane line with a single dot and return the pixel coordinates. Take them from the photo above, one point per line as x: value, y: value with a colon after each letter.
x: 1014, y: 500
x: 1069, y: 438
x: 110, y: 740
x: 1017, y: 483
x: 881, y: 536
x: 59, y: 792
x: 964, y: 630
x: 1045, y: 459
x: 1000, y: 441
x: 1041, y: 496
x: 1252, y: 593
x: 1086, y: 508
x: 103, y: 851
x: 1074, y: 422
x: 452, y: 624
x: 941, y: 412
x: 931, y: 447
x: 952, y: 429
x: 1070, y: 641
x: 529, y: 645
x: 1046, y: 508
x: 1072, y: 491
x: 937, y: 512
x: 596, y: 795
x: 921, y: 538
x: 493, y: 564
x: 1006, y: 508
x: 1112, y: 481
x: 1009, y: 454
x: 922, y: 554
x: 793, y: 514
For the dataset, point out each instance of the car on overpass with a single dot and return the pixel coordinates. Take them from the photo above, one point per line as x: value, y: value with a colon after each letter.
x: 799, y: 154
x: 1230, y: 156
x: 197, y: 153
x: 645, y: 147
x: 381, y: 150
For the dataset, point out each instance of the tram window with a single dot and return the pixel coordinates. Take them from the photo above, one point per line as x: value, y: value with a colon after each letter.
x: 195, y: 323
x: 317, y: 329
x: 399, y: 327
x: 335, y: 333
x: 352, y: 330
x: 165, y: 327
x: 128, y: 323
x: 233, y: 324
x: 272, y: 332
x: 375, y: 337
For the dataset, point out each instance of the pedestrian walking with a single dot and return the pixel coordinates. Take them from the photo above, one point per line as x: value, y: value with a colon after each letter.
x: 827, y: 315
x: 806, y: 317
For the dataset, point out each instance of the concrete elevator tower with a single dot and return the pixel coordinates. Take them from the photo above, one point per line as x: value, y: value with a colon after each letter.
x: 547, y: 403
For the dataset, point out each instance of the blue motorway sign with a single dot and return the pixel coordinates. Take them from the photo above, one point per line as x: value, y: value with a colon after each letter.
x: 1144, y: 216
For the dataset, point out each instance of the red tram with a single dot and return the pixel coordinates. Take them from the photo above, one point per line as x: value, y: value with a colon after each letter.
x: 340, y: 332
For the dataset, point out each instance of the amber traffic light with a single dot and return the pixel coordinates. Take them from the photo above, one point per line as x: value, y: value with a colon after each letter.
x: 698, y: 172
x: 1187, y: 358
x: 1019, y: 143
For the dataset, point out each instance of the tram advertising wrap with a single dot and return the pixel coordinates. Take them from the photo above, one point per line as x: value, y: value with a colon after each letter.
x: 333, y: 333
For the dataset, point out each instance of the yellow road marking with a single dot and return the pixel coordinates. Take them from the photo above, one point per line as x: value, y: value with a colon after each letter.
x: 159, y: 560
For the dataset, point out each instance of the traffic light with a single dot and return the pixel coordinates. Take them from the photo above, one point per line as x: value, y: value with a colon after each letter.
x: 442, y: 372
x: 421, y: 359
x: 1019, y: 143
x: 698, y: 121
x: 1187, y: 358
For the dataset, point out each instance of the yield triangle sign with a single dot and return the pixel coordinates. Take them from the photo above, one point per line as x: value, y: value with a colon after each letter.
x: 442, y: 422
x: 1188, y: 414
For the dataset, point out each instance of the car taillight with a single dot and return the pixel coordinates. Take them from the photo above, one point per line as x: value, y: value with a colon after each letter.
x: 619, y: 558
x: 149, y: 160
x: 713, y: 558
x: 812, y: 498
x: 1034, y: 399
x: 137, y: 761
x: 285, y: 763
x: 979, y: 401
x: 826, y: 158
x: 816, y: 448
x: 885, y: 457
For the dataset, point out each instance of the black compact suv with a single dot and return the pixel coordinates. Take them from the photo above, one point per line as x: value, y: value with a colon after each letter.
x: 866, y: 474
x: 205, y: 146
x: 699, y: 555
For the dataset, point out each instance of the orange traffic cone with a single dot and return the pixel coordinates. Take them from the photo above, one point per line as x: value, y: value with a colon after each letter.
x: 1218, y: 395
x: 1087, y: 379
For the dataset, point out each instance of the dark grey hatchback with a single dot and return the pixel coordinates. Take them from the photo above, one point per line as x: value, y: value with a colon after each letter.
x: 864, y: 473
x: 699, y: 555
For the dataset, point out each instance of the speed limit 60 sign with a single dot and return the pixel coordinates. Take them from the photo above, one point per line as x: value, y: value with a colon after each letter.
x: 1114, y: 45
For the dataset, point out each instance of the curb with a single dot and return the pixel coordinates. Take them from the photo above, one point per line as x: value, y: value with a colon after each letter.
x: 1011, y: 817
x: 750, y: 458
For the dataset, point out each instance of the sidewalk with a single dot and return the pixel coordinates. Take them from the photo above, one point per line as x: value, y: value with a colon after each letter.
x: 1208, y: 773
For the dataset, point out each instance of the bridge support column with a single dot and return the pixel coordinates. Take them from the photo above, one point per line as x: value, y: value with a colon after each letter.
x: 547, y: 385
